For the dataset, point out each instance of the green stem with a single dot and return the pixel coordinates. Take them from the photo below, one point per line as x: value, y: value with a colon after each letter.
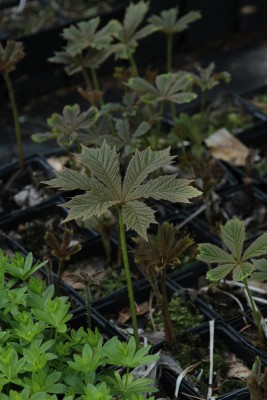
x: 168, y: 326
x: 255, y: 313
x: 59, y: 275
x: 101, y: 100
x: 96, y: 84
x: 86, y: 78
x: 12, y: 99
x: 87, y: 290
x: 154, y: 144
x: 169, y: 52
x: 203, y: 109
x: 133, y: 63
x: 128, y: 278
x: 106, y: 242
x: 173, y: 110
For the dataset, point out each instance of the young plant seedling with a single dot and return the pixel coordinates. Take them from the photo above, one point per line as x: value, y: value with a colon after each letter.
x: 207, y: 80
x: 108, y: 189
x: 169, y: 24
x: 128, y: 33
x: 69, y: 128
x: 62, y: 251
x: 153, y: 257
x: 88, y: 47
x: 257, y: 382
x: 172, y: 88
x: 88, y: 280
x: 10, y: 56
x: 236, y: 261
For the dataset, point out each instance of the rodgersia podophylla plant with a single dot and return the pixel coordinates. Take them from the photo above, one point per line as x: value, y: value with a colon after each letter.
x: 107, y: 189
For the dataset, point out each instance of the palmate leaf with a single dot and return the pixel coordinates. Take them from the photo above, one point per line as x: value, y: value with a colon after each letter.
x: 173, y: 87
x: 138, y: 216
x: 166, y: 188
x: 66, y: 127
x: 85, y: 35
x: 242, y: 265
x: 233, y: 236
x: 104, y: 165
x: 211, y: 253
x: 128, y: 34
x: 168, y: 23
x: 207, y: 79
x: 105, y: 189
x: 93, y: 58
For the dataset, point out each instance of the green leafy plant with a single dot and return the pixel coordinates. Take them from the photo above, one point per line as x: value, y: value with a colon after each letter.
x: 153, y: 257
x: 169, y: 88
x: 69, y: 128
x: 257, y: 381
x: 207, y: 80
x: 41, y: 357
x: 88, y: 47
x: 107, y: 189
x: 236, y: 261
x: 168, y: 23
x: 88, y: 280
x: 63, y: 251
x: 10, y: 56
x: 128, y: 33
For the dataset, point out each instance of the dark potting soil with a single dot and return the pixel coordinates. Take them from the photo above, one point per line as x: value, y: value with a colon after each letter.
x: 222, y: 301
x: 30, y: 234
x: 243, y: 204
x: 113, y: 277
x: 184, y: 315
x: 190, y: 349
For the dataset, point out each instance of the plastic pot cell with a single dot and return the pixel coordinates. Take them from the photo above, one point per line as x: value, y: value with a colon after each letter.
x: 28, y: 228
x: 245, y: 326
x: 230, y: 350
x: 21, y: 189
x: 94, y: 259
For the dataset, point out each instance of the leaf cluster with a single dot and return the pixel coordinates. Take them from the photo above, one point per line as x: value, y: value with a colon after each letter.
x: 10, y: 55
x: 69, y: 128
x: 129, y: 32
x: 168, y: 22
x: 87, y: 45
x: 41, y: 357
x: 241, y: 263
x: 169, y: 87
x: 207, y: 79
x: 108, y: 189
